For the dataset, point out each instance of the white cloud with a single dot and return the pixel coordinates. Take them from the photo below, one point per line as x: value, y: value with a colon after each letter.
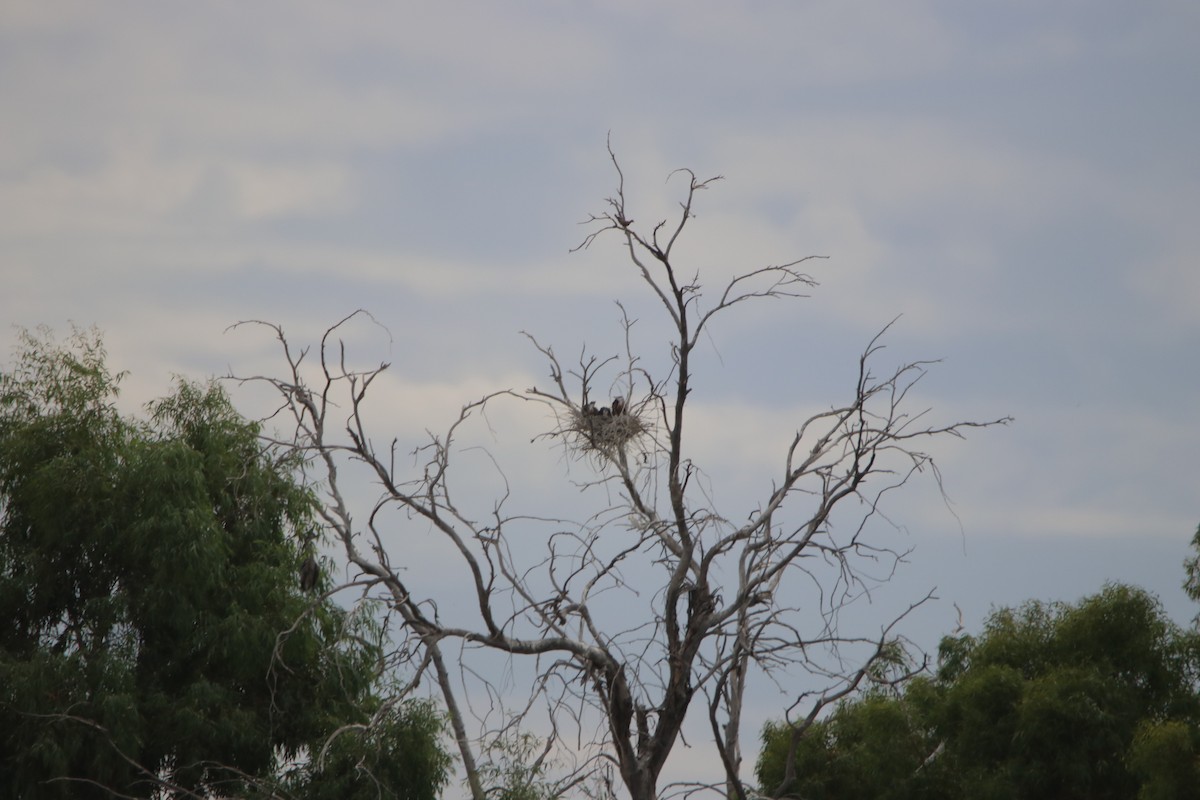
x: 1172, y: 281
x: 808, y: 44
x: 31, y: 16
x: 136, y: 194
x: 262, y: 191
x: 906, y: 165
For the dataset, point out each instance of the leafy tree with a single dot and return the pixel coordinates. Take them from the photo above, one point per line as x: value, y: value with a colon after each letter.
x: 156, y: 638
x: 398, y: 756
x: 1094, y: 700
x: 1192, y: 567
x: 1166, y: 756
x: 863, y: 749
x: 516, y: 770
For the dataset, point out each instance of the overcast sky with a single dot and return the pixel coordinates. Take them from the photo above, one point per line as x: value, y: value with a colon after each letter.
x: 1019, y: 182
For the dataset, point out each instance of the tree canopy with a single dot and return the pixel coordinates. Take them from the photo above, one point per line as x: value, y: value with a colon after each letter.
x: 156, y: 636
x: 1099, y: 700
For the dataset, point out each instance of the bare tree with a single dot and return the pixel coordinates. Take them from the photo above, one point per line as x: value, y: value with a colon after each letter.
x: 682, y: 605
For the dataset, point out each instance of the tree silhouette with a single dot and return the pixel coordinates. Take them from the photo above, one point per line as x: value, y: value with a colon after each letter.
x: 656, y: 602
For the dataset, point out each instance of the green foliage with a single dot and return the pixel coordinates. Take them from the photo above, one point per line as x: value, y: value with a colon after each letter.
x: 1192, y: 567
x: 398, y: 756
x: 517, y: 769
x: 1166, y: 755
x: 148, y: 581
x: 1096, y: 700
x: 872, y: 748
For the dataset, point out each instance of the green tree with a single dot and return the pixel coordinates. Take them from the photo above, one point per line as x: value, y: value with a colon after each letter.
x: 156, y: 636
x: 1166, y: 756
x: 872, y: 748
x: 1095, y: 700
x: 398, y: 756
x: 1192, y: 567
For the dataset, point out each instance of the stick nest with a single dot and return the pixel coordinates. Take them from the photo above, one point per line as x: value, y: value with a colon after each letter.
x: 605, y: 431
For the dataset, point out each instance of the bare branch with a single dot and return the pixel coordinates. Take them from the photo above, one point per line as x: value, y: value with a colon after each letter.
x: 619, y: 620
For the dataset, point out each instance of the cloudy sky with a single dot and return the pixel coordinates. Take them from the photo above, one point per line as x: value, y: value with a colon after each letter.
x: 1018, y: 182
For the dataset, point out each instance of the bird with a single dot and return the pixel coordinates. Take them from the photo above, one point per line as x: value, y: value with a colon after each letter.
x: 309, y: 572
x: 618, y: 407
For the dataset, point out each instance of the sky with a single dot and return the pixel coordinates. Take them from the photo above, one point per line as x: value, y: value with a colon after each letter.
x: 1015, y: 183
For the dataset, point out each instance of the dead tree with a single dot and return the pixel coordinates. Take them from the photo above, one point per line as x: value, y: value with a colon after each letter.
x: 679, y: 605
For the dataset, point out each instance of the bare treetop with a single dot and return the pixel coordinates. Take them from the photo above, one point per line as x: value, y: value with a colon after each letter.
x: 625, y: 635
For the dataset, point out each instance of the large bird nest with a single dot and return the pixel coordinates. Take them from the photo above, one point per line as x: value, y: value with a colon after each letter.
x: 606, y: 431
